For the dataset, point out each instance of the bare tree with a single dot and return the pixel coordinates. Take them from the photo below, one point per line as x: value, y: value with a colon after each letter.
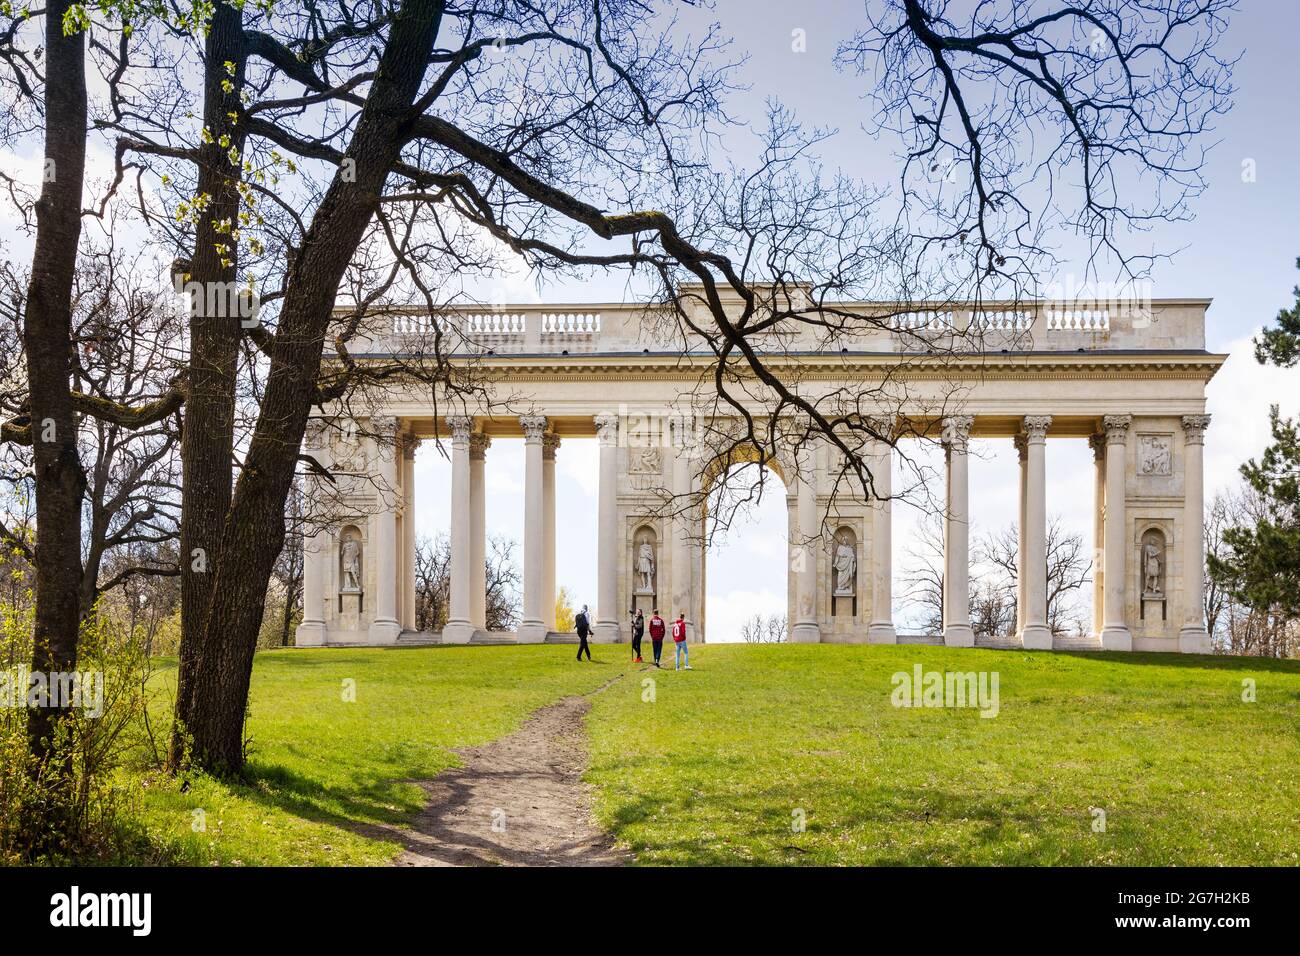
x: 433, y: 583
x: 772, y: 629
x: 923, y: 573
x: 1068, y: 569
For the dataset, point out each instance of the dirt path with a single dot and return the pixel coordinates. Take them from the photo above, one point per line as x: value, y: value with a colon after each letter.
x: 517, y: 801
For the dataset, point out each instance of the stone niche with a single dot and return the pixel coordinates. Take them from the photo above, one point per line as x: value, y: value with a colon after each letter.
x: 1153, y: 579
x: 350, y: 573
x: 845, y: 559
x: 646, y: 570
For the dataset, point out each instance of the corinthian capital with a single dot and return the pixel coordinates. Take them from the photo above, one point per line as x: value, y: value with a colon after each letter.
x: 1036, y: 427
x: 607, y: 428
x: 956, y: 431
x: 1116, y: 428
x: 534, y: 427
x: 1194, y: 428
x: 461, y: 426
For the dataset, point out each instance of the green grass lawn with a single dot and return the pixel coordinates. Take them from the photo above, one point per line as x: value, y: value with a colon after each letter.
x: 724, y: 760
x: 730, y: 755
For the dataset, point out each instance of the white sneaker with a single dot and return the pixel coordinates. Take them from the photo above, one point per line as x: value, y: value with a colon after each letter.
x: 688, y: 667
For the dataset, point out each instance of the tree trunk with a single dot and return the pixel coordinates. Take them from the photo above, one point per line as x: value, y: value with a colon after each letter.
x: 208, y: 433
x: 47, y: 338
x: 253, y: 532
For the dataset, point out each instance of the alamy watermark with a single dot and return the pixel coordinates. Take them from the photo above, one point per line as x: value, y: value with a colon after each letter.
x: 65, y: 690
x: 922, y: 688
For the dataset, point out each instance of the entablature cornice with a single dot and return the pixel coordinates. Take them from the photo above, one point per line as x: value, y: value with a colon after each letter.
x: 596, y: 367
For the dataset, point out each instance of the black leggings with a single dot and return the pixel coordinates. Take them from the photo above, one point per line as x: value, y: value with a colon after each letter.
x: 582, y: 646
x: 636, y: 644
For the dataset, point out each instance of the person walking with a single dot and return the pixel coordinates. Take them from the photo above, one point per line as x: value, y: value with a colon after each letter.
x: 679, y: 640
x: 638, y: 632
x: 582, y: 622
x: 657, y: 630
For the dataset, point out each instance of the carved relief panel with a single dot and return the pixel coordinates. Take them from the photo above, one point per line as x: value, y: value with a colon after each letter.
x: 1155, y: 456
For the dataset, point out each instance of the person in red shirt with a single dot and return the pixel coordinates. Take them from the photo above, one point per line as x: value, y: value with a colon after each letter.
x: 679, y: 639
x: 657, y: 630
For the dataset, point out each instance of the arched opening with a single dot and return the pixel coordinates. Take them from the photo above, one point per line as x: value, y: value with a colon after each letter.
x: 747, y: 579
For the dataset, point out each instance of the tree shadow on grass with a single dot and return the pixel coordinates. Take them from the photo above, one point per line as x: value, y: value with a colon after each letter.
x: 360, y: 803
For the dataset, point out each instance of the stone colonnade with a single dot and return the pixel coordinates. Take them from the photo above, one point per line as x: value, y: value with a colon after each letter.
x: 359, y: 576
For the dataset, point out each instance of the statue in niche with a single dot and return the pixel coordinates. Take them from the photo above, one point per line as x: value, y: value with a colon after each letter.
x: 846, y: 566
x: 645, y: 566
x: 647, y: 462
x: 1152, y: 567
x: 1155, y: 455
x: 351, y: 554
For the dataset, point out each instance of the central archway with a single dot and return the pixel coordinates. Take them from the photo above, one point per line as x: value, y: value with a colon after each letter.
x: 746, y: 568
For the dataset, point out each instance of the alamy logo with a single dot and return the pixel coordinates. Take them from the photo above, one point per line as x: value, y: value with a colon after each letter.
x: 68, y: 690
x: 923, y: 688
x: 72, y: 909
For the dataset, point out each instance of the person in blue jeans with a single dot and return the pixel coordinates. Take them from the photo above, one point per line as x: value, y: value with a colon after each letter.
x: 679, y: 641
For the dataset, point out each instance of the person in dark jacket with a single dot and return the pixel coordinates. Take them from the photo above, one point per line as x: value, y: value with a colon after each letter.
x: 657, y: 630
x: 638, y: 632
x: 582, y: 622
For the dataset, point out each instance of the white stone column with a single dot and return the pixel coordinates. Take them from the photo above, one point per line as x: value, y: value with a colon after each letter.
x: 532, y: 627
x: 685, y: 524
x: 550, y: 444
x: 881, y: 628
x: 1098, y: 445
x: 1022, y: 601
x: 1115, y: 635
x: 956, y: 534
x: 316, y: 548
x: 807, y: 557
x: 1036, y: 634
x: 478, y: 446
x: 459, y: 628
x: 409, y: 445
x: 1193, y: 638
x: 608, y: 615
x: 384, y: 627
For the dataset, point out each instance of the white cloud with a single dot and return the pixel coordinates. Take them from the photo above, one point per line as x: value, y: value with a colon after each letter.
x: 1239, y: 399
x: 728, y: 611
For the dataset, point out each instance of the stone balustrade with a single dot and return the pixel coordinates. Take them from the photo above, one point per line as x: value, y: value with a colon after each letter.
x: 889, y: 328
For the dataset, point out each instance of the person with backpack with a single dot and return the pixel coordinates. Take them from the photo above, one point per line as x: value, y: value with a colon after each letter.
x: 679, y: 640
x: 638, y: 632
x: 582, y: 623
x: 657, y: 630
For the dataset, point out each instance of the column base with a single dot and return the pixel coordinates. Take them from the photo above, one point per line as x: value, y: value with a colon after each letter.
x: 958, y: 635
x: 1036, y: 637
x: 608, y: 632
x: 1195, y: 640
x: 1116, y: 638
x: 458, y: 632
x: 384, y: 631
x: 881, y: 632
x: 806, y: 634
x: 309, y: 634
x: 531, y: 632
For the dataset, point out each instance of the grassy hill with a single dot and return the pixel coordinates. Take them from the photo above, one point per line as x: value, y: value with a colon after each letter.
x: 776, y: 754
